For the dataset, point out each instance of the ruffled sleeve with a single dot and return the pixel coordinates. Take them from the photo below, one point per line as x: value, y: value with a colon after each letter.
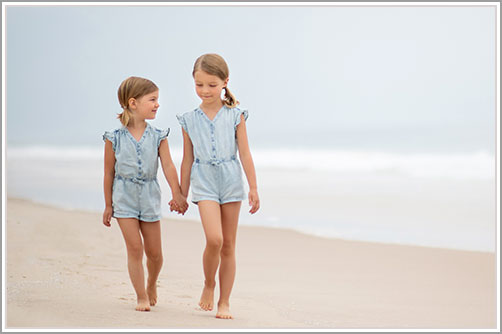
x: 238, y: 113
x: 161, y: 135
x: 183, y: 122
x: 111, y: 136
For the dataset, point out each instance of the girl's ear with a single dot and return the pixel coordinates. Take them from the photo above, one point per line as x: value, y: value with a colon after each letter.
x: 225, y: 82
x: 132, y: 103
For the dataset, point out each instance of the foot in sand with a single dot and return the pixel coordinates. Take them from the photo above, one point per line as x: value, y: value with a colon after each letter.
x: 143, y: 305
x: 224, y: 311
x: 207, y: 298
x: 151, y: 291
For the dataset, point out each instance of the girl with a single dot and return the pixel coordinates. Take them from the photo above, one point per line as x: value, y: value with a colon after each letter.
x: 132, y: 193
x: 212, y: 133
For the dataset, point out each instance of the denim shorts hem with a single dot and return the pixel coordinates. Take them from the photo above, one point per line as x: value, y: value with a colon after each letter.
x: 197, y: 200
x: 148, y: 219
x: 217, y: 200
x: 124, y: 215
x: 229, y: 200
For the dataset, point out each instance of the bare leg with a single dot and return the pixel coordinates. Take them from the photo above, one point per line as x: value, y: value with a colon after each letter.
x: 210, y: 215
x: 132, y: 237
x: 154, y: 259
x: 229, y: 218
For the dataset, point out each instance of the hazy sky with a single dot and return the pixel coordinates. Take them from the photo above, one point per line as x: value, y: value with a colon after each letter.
x: 358, y: 77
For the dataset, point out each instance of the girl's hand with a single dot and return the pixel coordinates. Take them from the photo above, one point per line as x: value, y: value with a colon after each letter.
x: 179, y: 208
x: 181, y: 202
x: 107, y: 216
x: 254, y: 201
x: 173, y: 206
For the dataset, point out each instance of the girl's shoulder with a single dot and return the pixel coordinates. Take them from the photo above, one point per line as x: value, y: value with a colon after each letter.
x: 235, y: 110
x: 111, y: 135
x: 236, y: 113
x: 158, y: 134
x: 188, y: 114
x: 187, y: 118
x: 158, y: 131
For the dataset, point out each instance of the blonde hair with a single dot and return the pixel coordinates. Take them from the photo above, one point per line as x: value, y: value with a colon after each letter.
x: 214, y: 64
x: 132, y: 88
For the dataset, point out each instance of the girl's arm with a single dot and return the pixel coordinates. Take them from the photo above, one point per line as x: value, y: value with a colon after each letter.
x: 108, y: 181
x: 186, y: 164
x: 171, y: 175
x: 248, y: 165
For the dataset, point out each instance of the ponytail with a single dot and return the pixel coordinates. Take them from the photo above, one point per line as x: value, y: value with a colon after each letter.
x: 230, y: 100
x: 125, y: 116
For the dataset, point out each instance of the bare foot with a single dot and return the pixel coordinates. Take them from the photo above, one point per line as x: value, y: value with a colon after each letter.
x: 207, y: 298
x: 151, y: 291
x: 224, y: 311
x: 143, y: 305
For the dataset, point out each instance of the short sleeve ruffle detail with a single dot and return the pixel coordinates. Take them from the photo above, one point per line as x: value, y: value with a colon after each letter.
x: 238, y: 113
x: 182, y: 121
x: 112, y: 137
x: 161, y: 135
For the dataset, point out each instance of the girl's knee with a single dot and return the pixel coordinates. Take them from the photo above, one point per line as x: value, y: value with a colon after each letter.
x: 135, y: 251
x: 155, y: 255
x: 228, y: 249
x: 214, y: 243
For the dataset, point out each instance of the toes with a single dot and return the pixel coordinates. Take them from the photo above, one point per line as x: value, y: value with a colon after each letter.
x: 142, y: 309
x: 205, y: 306
x: 224, y: 316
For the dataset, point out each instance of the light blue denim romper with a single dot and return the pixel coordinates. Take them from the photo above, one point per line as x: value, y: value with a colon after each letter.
x: 136, y: 192
x: 216, y: 173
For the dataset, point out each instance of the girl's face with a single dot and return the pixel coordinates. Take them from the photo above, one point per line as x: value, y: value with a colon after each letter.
x: 208, y: 86
x: 146, y: 106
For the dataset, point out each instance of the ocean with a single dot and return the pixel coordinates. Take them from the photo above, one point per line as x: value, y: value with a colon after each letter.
x: 425, y: 199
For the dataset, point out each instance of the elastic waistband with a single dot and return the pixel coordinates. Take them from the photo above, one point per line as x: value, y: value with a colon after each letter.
x: 214, y: 162
x: 138, y: 180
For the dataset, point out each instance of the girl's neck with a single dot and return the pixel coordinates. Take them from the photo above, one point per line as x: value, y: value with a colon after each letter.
x: 213, y: 106
x: 136, y: 124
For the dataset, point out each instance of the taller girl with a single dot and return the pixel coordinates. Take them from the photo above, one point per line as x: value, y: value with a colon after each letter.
x: 212, y: 133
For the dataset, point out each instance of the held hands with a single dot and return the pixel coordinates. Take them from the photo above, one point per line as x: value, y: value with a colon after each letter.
x: 179, y: 204
x: 107, y: 216
x: 254, y: 201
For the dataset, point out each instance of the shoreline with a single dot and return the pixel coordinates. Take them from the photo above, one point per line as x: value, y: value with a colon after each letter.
x: 244, y: 225
x: 74, y: 275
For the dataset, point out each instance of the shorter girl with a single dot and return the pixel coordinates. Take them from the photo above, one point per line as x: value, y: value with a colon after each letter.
x: 212, y: 135
x: 132, y: 193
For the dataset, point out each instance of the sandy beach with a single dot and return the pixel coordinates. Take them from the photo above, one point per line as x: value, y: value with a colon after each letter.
x: 64, y: 269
